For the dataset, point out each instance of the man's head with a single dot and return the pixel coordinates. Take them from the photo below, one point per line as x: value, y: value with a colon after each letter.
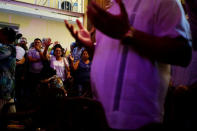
x: 22, y: 41
x: 37, y: 43
x: 7, y: 35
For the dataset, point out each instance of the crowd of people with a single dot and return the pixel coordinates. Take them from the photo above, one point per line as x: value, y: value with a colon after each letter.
x: 40, y: 65
x: 128, y: 69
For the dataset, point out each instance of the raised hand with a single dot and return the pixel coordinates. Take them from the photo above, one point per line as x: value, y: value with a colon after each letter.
x: 71, y: 58
x: 82, y: 35
x: 47, y: 42
x: 115, y: 26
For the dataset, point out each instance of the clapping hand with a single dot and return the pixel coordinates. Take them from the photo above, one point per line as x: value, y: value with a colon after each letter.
x: 115, y: 26
x: 82, y: 35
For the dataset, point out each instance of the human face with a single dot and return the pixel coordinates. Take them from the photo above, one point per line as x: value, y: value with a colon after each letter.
x: 85, y: 55
x: 23, y: 41
x: 58, y: 52
x: 37, y: 44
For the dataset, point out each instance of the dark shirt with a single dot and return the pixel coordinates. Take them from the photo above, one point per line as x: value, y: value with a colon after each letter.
x: 83, y: 72
x: 7, y: 70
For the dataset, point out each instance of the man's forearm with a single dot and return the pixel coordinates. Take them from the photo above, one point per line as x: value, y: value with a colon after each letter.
x: 174, y: 51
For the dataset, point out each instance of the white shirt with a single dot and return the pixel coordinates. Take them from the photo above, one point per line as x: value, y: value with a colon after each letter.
x: 20, y: 52
x: 59, y: 66
x: 139, y: 99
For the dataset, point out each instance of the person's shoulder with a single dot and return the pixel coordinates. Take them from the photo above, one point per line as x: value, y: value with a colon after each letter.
x: 170, y: 15
x: 31, y: 50
x: 20, y: 48
x: 167, y: 3
x: 52, y: 57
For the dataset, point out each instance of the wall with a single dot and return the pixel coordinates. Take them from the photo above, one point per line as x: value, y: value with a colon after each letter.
x: 32, y: 28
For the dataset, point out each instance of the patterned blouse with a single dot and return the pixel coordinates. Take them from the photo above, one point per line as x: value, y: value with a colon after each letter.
x: 7, y: 70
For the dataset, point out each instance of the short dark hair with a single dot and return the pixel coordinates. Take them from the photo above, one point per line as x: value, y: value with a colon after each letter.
x: 9, y: 33
x: 58, y: 46
x: 38, y: 39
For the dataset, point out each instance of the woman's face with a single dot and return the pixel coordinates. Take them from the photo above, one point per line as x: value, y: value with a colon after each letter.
x: 58, y: 52
x: 85, y: 55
